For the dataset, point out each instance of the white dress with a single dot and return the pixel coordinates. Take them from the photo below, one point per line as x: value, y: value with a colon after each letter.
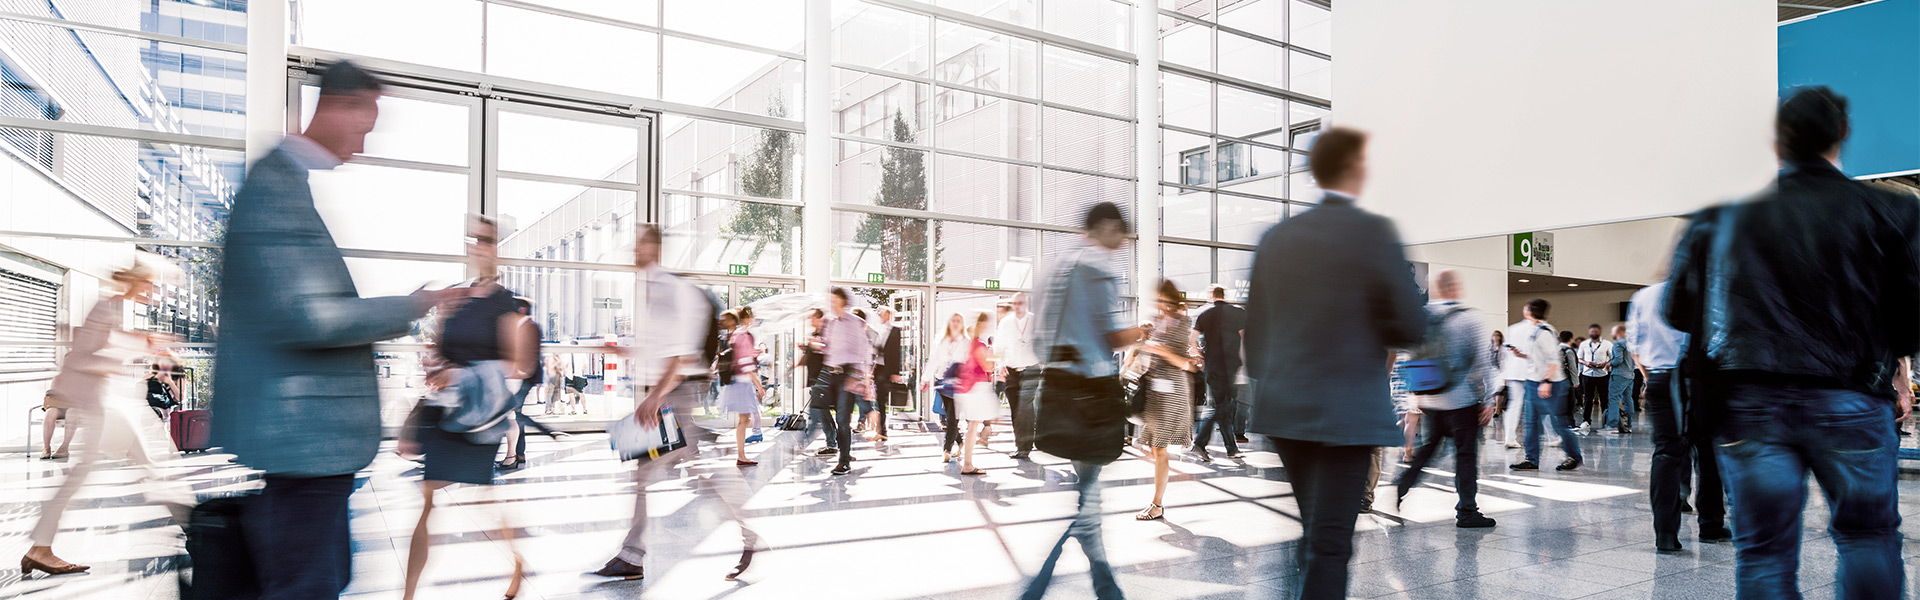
x: 977, y: 404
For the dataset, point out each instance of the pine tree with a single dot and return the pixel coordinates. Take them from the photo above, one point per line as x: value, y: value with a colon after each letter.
x: 765, y: 175
x: 903, y: 184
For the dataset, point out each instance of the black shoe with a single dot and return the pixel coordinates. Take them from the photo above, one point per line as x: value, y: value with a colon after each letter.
x: 746, y: 559
x: 1668, y: 547
x: 1715, y: 534
x: 1525, y: 465
x: 511, y: 464
x: 1236, y: 454
x: 1241, y: 439
x: 843, y: 469
x: 622, y: 569
x: 828, y: 451
x: 1021, y: 456
x: 1685, y: 509
x: 1201, y: 454
x: 1473, y: 521
x: 1568, y: 465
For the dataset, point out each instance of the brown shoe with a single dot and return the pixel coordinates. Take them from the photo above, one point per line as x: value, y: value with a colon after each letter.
x: 622, y: 569
x: 58, y: 567
x: 746, y: 559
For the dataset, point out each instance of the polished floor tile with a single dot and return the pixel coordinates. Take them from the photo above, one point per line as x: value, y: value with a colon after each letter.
x: 906, y: 525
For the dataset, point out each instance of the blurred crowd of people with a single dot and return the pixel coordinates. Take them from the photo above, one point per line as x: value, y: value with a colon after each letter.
x: 1778, y: 348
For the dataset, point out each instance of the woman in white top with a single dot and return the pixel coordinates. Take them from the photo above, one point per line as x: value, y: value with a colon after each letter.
x: 100, y: 382
x: 947, y: 351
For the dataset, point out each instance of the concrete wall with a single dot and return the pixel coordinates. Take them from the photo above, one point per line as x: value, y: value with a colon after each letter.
x: 1633, y: 252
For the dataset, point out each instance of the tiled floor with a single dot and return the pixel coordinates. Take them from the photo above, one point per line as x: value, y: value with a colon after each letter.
x: 904, y: 525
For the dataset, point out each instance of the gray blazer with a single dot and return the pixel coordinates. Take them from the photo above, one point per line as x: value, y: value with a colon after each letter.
x: 1331, y: 294
x: 294, y: 389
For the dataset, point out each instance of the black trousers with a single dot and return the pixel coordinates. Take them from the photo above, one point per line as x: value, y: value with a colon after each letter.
x: 296, y: 529
x: 1462, y: 426
x: 842, y: 413
x: 1593, y: 398
x: 1224, y: 412
x: 1328, y: 483
x: 949, y: 424
x: 1022, y: 410
x: 1676, y: 447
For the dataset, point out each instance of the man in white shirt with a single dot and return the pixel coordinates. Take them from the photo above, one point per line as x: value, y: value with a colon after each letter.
x: 1546, y: 388
x: 1596, y: 357
x: 1516, y: 369
x: 675, y: 320
x: 1013, y: 347
x: 1657, y: 348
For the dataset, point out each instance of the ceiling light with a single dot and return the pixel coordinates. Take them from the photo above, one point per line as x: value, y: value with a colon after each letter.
x: 1525, y: 280
x: 1573, y: 285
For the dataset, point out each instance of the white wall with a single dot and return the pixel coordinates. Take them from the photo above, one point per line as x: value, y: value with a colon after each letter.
x: 1633, y: 252
x: 1482, y: 268
x: 1501, y: 116
x: 1574, y: 311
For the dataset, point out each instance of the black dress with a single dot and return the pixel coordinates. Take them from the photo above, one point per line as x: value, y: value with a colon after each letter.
x: 471, y: 335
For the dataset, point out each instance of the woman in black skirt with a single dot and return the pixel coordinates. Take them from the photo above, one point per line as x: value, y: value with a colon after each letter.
x: 483, y: 331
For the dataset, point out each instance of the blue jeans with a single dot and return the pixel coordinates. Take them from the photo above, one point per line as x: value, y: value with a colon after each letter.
x: 1085, y: 527
x: 1552, y: 409
x: 1620, y: 403
x: 1772, y: 436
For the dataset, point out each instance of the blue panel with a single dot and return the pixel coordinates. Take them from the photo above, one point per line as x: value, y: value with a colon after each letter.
x: 1871, y: 55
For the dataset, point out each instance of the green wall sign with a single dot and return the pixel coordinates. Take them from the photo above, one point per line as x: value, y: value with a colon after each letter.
x: 736, y: 269
x: 993, y: 284
x: 876, y: 278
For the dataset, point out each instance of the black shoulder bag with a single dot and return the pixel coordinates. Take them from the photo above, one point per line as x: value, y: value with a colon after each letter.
x: 1076, y: 417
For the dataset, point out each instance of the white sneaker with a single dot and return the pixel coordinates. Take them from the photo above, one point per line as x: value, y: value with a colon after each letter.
x: 1513, y: 444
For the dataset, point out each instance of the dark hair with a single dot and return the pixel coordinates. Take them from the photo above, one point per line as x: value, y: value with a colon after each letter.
x: 1811, y: 121
x: 1566, y: 336
x: 1538, y: 306
x: 648, y: 232
x: 817, y: 314
x: 1334, y: 154
x: 1103, y: 212
x: 347, y: 79
x: 745, y: 312
x: 1169, y: 291
x: 1218, y: 291
x: 522, y: 303
x: 840, y: 293
x: 731, y: 314
x: 1594, y: 326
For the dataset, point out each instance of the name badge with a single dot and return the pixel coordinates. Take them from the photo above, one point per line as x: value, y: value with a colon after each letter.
x: 1162, y: 386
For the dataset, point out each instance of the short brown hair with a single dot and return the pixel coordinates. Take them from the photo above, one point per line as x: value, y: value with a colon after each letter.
x: 1334, y: 154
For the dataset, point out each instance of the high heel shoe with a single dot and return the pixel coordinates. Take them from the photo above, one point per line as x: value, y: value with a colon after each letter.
x: 28, y: 565
x: 1153, y: 512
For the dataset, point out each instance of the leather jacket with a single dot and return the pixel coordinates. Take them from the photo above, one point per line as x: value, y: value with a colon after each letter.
x: 1820, y: 283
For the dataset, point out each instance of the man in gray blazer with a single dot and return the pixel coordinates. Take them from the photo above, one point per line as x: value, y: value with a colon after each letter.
x: 1331, y: 295
x: 294, y: 389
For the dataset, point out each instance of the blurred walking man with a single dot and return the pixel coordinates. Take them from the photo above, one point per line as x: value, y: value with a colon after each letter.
x: 1806, y: 303
x: 1013, y: 346
x: 1677, y: 434
x: 1458, y: 413
x: 669, y: 363
x: 1331, y: 294
x: 1219, y: 328
x: 294, y: 389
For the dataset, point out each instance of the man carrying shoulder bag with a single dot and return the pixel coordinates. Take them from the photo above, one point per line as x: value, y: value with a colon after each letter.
x: 1079, y: 406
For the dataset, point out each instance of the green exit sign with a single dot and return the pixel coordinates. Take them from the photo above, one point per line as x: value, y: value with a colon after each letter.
x: 876, y: 278
x: 736, y: 269
x: 993, y: 284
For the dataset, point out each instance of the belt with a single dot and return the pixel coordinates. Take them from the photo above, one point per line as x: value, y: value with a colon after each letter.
x: 1660, y: 371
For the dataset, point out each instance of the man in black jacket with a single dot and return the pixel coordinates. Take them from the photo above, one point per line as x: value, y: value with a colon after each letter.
x: 889, y: 375
x: 1806, y: 304
x: 1331, y: 293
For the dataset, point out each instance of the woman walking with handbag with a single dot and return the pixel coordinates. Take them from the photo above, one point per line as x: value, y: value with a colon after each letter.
x: 482, y: 342
x: 947, y: 353
x: 1168, y: 418
x: 974, y: 400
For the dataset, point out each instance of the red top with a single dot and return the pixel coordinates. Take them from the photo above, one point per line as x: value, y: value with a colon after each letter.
x: 974, y: 370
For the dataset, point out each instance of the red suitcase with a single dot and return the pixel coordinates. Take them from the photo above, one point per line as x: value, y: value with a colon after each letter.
x: 190, y: 429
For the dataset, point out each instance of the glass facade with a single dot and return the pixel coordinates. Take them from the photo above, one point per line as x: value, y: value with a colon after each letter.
x: 968, y: 139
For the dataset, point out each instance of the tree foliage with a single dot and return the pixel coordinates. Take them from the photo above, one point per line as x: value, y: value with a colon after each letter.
x: 766, y: 173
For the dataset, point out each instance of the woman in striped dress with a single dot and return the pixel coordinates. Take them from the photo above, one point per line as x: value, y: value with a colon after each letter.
x: 1168, y: 420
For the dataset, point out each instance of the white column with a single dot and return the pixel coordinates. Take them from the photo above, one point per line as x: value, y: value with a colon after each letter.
x: 817, y: 192
x: 1146, y: 45
x: 266, y: 76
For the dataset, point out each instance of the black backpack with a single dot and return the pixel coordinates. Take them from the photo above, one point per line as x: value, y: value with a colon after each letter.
x: 716, y: 344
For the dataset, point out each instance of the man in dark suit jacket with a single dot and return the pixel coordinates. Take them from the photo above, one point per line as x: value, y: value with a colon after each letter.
x: 889, y: 375
x: 1218, y: 329
x: 1331, y: 295
x: 295, y: 394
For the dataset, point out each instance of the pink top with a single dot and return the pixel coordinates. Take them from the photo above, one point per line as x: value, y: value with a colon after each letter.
x: 746, y: 357
x: 974, y: 371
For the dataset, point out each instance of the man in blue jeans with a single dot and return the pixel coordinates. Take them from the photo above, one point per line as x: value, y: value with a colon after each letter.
x: 1805, y: 301
x: 1546, y: 389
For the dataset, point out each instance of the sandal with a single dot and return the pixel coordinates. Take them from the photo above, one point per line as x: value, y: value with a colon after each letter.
x: 1153, y: 512
x: 973, y: 472
x: 745, y: 463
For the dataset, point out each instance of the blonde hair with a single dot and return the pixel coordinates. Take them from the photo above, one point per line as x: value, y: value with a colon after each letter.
x: 148, y: 268
x: 946, y: 333
x: 979, y: 328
